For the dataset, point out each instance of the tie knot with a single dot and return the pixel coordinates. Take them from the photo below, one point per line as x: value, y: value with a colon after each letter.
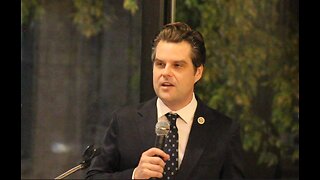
x: 172, y: 117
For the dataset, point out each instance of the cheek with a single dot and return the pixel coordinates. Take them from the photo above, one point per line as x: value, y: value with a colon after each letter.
x: 186, y: 80
x: 155, y: 75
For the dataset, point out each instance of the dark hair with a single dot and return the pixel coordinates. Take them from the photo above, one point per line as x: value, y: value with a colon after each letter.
x: 177, y: 32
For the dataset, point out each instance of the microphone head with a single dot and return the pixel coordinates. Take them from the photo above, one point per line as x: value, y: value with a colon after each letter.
x: 89, y: 154
x: 162, y: 128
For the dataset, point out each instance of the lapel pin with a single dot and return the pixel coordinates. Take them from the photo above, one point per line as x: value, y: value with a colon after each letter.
x: 201, y: 120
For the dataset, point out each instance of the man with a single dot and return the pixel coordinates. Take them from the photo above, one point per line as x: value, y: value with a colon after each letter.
x: 208, y: 142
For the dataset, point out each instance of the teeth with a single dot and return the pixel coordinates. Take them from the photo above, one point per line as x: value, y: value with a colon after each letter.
x: 166, y: 84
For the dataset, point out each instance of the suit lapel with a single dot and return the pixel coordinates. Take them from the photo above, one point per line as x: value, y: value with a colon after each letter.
x: 146, y: 123
x: 196, y: 143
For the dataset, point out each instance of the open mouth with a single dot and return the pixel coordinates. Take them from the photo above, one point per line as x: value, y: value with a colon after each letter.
x: 166, y: 84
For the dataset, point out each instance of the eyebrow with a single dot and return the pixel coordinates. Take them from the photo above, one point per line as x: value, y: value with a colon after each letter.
x: 174, y: 61
x: 181, y: 61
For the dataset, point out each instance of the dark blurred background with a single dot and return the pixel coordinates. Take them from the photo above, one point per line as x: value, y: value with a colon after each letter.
x: 82, y: 59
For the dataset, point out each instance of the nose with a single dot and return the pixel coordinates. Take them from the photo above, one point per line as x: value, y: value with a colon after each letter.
x: 167, y: 71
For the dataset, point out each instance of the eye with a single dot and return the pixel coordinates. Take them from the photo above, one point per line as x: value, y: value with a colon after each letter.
x: 159, y: 64
x: 178, y: 65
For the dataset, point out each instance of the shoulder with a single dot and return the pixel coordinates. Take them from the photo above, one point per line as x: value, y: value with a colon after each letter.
x: 138, y: 108
x: 211, y: 112
x: 214, y: 117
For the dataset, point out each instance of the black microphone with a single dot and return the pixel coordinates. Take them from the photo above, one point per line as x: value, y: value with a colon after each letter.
x: 87, y: 156
x: 162, y: 129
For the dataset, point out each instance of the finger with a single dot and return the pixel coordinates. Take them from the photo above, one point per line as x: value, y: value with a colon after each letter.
x: 157, y: 152
x: 153, y: 167
x: 145, y: 173
x: 157, y: 161
x: 153, y: 173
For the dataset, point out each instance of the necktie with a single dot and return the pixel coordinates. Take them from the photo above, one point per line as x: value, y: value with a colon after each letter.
x: 171, y: 148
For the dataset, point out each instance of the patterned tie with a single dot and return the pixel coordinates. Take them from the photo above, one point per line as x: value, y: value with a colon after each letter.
x: 171, y: 148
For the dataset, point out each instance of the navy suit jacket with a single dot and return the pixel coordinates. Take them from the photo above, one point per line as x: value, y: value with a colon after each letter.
x: 213, y: 151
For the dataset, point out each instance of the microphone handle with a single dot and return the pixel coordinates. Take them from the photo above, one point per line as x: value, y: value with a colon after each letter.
x: 70, y: 171
x: 160, y: 141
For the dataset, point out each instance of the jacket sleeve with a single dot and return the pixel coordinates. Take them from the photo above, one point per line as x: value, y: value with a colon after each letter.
x: 107, y: 164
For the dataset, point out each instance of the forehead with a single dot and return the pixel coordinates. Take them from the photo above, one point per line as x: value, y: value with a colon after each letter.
x: 173, y: 51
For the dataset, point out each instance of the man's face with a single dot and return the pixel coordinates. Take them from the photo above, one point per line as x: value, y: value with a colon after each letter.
x: 174, y: 74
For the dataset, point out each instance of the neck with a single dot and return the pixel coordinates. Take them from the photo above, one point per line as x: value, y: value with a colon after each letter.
x: 175, y: 106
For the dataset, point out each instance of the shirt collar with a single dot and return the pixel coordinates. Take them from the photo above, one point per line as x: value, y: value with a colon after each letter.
x: 186, y: 113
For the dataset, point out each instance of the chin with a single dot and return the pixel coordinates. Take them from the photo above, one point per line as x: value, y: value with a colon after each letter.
x: 164, y: 97
x: 167, y: 100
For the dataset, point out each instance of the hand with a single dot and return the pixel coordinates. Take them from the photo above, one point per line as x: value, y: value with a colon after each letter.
x: 151, y: 164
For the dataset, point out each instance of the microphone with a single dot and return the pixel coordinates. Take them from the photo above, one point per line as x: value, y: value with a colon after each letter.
x: 162, y: 129
x: 87, y: 156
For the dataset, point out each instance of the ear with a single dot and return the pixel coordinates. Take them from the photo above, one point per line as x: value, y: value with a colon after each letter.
x: 198, y: 74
